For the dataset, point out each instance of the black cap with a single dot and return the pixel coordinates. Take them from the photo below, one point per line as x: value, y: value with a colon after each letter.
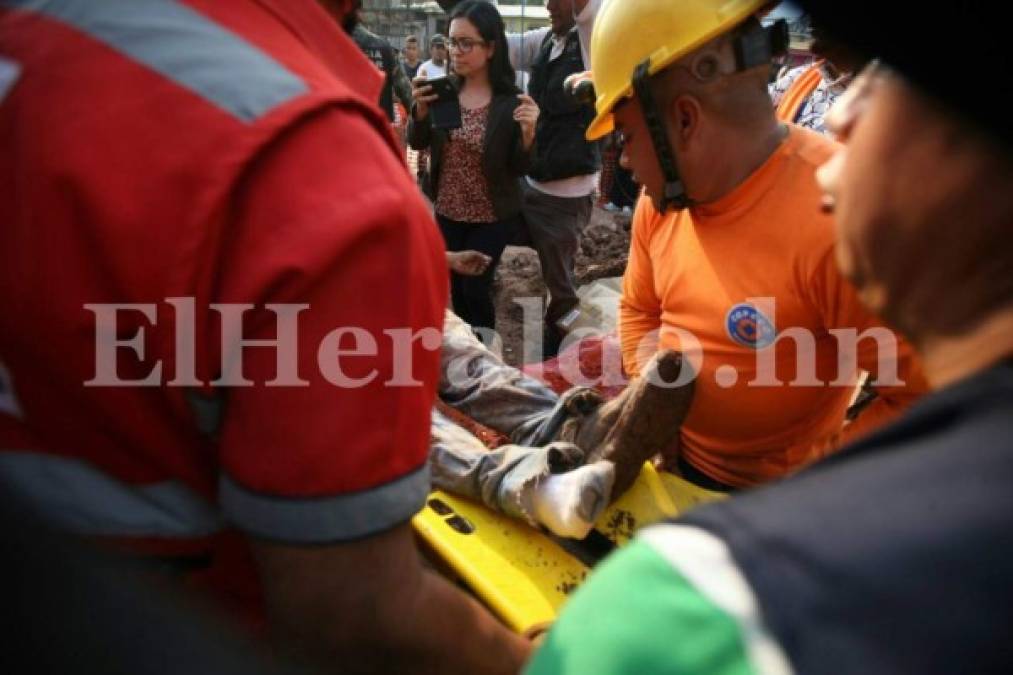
x: 437, y: 39
x: 958, y: 53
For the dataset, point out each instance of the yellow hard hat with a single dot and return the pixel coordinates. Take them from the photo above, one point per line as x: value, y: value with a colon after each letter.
x: 627, y: 32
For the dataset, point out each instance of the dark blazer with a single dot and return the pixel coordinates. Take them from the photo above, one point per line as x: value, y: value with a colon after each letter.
x: 504, y: 159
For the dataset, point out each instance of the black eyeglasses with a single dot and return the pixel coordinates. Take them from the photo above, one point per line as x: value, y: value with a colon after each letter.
x: 464, y: 45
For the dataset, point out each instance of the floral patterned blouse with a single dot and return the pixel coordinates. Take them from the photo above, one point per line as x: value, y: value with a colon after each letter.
x: 463, y: 193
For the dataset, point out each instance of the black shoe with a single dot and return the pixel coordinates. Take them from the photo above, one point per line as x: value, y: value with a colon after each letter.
x: 552, y: 339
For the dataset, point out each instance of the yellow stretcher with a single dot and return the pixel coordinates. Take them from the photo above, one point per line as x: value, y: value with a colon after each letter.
x: 523, y: 575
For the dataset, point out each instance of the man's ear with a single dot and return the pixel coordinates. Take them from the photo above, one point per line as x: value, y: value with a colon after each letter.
x: 684, y: 115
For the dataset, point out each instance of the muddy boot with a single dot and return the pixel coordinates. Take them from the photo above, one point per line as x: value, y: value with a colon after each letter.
x: 634, y: 427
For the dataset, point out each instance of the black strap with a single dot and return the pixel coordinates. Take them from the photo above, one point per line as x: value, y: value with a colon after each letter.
x: 675, y: 196
x: 754, y: 48
x: 759, y: 46
x: 700, y: 479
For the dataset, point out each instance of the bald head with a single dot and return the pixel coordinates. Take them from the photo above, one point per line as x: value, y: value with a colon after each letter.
x: 738, y: 99
x: 719, y: 122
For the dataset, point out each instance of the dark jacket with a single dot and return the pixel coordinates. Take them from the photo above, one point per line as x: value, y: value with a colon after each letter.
x: 504, y: 159
x: 892, y: 555
x: 563, y: 151
x: 395, y: 81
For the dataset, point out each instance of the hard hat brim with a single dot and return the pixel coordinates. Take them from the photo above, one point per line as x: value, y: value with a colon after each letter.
x: 601, y: 125
x: 604, y: 122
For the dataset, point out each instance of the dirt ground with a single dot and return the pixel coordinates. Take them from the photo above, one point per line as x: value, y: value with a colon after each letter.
x: 604, y: 248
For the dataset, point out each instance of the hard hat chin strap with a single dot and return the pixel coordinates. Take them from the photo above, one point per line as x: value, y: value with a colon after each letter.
x: 675, y: 196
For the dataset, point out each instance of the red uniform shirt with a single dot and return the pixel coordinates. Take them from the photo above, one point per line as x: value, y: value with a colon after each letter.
x: 222, y: 153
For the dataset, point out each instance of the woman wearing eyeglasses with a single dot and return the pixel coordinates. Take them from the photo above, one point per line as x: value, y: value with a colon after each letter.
x: 476, y: 169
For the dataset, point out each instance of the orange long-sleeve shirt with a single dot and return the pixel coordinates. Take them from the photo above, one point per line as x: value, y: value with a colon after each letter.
x: 697, y: 271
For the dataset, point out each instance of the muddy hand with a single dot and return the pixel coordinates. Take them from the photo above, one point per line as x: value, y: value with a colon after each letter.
x: 580, y: 404
x: 642, y: 422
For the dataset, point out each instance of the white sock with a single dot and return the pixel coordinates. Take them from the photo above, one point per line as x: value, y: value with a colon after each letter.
x: 569, y: 503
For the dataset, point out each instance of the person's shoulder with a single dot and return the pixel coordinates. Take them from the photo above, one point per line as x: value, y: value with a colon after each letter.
x: 367, y: 161
x: 622, y: 619
x: 811, y: 147
x: 368, y: 39
x: 804, y: 152
x: 365, y: 32
x: 360, y: 34
x: 804, y: 230
x: 537, y: 35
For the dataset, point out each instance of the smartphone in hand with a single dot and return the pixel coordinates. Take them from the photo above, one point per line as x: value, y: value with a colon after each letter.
x: 444, y: 88
x: 445, y: 111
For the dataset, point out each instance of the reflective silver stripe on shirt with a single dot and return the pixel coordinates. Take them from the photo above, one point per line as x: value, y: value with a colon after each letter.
x: 325, y: 519
x: 76, y: 496
x: 9, y: 74
x: 183, y: 46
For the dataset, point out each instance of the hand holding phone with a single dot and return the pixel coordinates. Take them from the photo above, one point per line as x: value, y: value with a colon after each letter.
x: 443, y: 103
x: 443, y: 88
x: 422, y: 94
x: 426, y: 92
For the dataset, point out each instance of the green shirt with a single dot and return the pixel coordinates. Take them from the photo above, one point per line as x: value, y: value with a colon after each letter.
x: 672, y: 601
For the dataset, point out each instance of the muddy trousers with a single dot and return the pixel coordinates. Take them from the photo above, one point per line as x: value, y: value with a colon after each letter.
x: 554, y: 226
x: 472, y: 296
